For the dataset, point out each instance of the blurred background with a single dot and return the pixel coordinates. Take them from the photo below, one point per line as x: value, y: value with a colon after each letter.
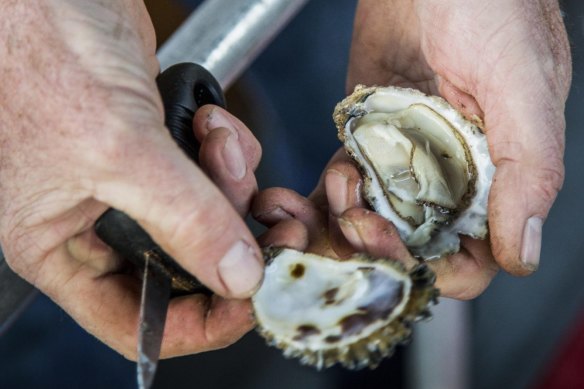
x: 521, y: 333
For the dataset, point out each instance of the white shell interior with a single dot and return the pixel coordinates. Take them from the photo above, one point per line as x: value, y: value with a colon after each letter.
x: 408, y: 105
x: 316, y: 303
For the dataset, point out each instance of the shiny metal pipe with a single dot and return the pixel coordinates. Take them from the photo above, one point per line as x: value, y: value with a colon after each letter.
x: 225, y: 36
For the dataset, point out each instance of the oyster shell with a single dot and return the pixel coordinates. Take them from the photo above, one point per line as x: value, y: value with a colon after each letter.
x: 426, y: 168
x: 353, y: 312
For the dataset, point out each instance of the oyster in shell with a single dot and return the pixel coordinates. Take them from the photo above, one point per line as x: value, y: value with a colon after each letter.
x: 427, y: 169
x: 326, y: 311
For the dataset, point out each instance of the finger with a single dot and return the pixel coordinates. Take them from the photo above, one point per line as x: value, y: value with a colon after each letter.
x: 337, y: 162
x: 153, y: 182
x: 276, y: 204
x: 371, y: 233
x: 338, y: 242
x: 287, y: 233
x: 338, y: 189
x: 108, y: 307
x: 343, y: 185
x: 466, y: 274
x: 221, y: 157
x: 88, y: 249
x: 210, y: 117
x: 522, y: 91
x: 525, y: 131
x: 200, y: 323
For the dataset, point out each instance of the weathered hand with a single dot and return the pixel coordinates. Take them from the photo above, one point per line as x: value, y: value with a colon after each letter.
x: 506, y: 62
x: 82, y: 130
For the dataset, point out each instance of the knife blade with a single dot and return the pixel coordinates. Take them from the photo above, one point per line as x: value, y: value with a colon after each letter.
x: 183, y: 88
x: 156, y: 288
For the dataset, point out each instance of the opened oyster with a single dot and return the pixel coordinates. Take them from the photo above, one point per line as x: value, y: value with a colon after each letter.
x: 426, y: 168
x: 352, y: 312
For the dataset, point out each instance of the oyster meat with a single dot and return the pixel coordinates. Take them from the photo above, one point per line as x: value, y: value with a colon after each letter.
x: 326, y: 311
x: 426, y: 168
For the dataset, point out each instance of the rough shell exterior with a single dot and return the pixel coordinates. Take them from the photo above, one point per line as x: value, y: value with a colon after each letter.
x: 298, y: 323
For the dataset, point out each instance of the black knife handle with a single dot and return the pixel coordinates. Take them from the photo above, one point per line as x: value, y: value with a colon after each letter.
x: 184, y: 88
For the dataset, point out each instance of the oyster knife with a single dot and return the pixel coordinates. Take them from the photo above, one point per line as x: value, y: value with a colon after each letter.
x: 156, y: 288
x: 184, y: 88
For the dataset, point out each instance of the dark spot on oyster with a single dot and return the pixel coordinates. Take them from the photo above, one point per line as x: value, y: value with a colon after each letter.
x: 330, y: 295
x: 306, y: 330
x: 353, y: 324
x: 445, y: 155
x: 297, y: 270
x: 332, y: 339
x: 379, y: 309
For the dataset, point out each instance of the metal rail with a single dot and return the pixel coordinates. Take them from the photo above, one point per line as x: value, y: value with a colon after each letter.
x: 225, y: 36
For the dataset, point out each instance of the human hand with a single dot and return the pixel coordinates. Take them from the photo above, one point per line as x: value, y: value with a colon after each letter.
x: 82, y: 130
x: 501, y: 63
x: 506, y: 62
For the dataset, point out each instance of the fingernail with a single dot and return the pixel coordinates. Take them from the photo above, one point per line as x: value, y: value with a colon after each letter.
x: 217, y: 118
x: 233, y: 158
x: 336, y: 184
x: 240, y: 270
x: 351, y: 233
x: 531, y: 245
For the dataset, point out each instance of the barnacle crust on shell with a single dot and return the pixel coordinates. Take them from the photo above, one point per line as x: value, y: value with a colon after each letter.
x: 353, y: 312
x: 426, y: 168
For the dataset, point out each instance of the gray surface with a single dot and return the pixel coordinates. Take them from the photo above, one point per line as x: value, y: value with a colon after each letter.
x: 520, y: 322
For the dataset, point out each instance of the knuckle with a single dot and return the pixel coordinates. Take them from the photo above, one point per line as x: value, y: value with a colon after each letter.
x: 23, y: 254
x: 468, y: 279
x: 198, y: 227
x: 549, y: 181
x: 542, y: 172
x: 472, y: 290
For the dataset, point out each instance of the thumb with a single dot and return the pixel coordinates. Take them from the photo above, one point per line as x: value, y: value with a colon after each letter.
x: 525, y: 131
x: 154, y: 183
